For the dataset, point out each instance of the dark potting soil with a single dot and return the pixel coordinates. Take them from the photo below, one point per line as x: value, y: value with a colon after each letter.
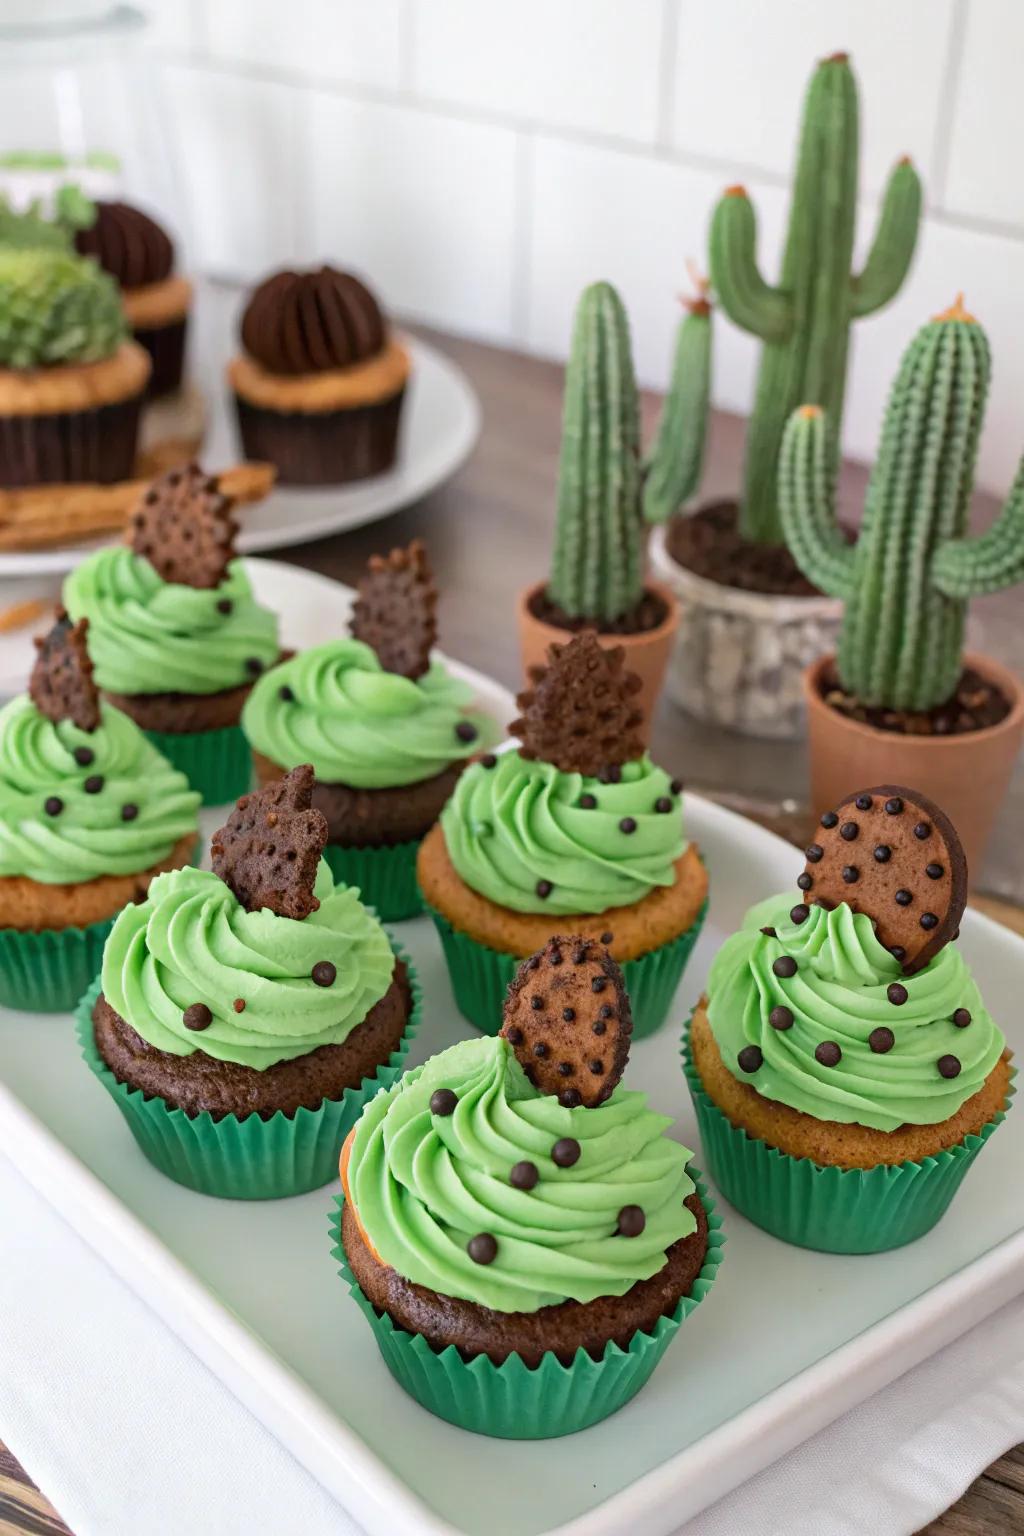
x: 648, y: 614
x: 976, y: 704
x: 709, y: 543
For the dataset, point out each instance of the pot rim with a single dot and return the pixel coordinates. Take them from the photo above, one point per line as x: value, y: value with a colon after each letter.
x: 1010, y: 684
x: 648, y: 636
x: 766, y: 607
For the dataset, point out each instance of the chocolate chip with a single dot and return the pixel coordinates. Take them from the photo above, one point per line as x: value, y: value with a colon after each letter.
x: 482, y: 1249
x: 863, y: 802
x: 599, y: 1027
x: 568, y: 1014
x: 565, y: 1152
x: 934, y: 871
x: 894, y: 806
x: 804, y: 881
x: 254, y: 666
x: 324, y: 973
x: 883, y: 853
x: 524, y: 1175
x: 197, y: 1016
x: 897, y: 951
x: 543, y: 889
x: 750, y: 1058
x: 606, y: 1011
x: 93, y: 784
x: 828, y: 1054
x: 286, y: 693
x: 239, y: 1005
x: 570, y: 1098
x: 556, y: 957
x: 881, y: 1040
x: 631, y: 1221
x: 564, y: 1069
x: 928, y: 921
x: 949, y: 1066
x: 785, y: 965
x: 596, y: 1066
x: 466, y: 731
x: 627, y: 824
x: 443, y: 1101
x: 663, y: 805
x: 923, y: 830
x: 224, y: 605
x: 771, y: 933
x: 904, y: 898
x: 611, y: 773
x: 849, y: 831
x: 798, y: 914
x: 541, y: 1050
x: 579, y: 956
x: 533, y: 963
x: 588, y: 802
x: 536, y: 1002
x: 897, y: 993
x: 962, y: 1017
x: 129, y: 811
x: 53, y: 805
x: 84, y: 756
x: 488, y: 760
x: 607, y: 936
x: 598, y: 983
x: 781, y: 1017
x: 851, y: 874
x: 676, y: 786
x: 813, y: 853
x: 829, y: 819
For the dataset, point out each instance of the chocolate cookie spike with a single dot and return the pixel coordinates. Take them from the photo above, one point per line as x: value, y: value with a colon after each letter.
x: 269, y: 848
x: 893, y: 854
x: 395, y: 611
x: 567, y: 1017
x: 61, y: 685
x: 183, y: 526
x: 581, y: 714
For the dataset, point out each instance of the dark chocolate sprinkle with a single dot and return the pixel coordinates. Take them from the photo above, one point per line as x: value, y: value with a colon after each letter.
x: 928, y: 920
x: 489, y: 760
x: 897, y: 993
x: 443, y: 1101
x: 627, y: 824
x: 851, y: 874
x: 286, y: 693
x: 536, y: 1002
x: 599, y: 1027
x: 750, y: 1058
x: 814, y: 852
x: 466, y: 731
x: 568, y: 1014
x: 607, y: 936
x: 93, y: 784
x: 897, y: 951
x: 596, y: 1066
x: 556, y: 957
x: 533, y: 962
x: 804, y: 881
x: 129, y: 811
x: 863, y: 802
x: 197, y: 1016
x: 904, y: 898
x: 611, y: 773
x: 570, y: 1098
x: 254, y: 666
x: 53, y: 805
x: 514, y: 1035
x: 483, y: 1249
x: 588, y: 802
x: 663, y: 805
x: 883, y: 853
x: 565, y: 1152
x: 949, y: 1066
x: 881, y: 1040
x: 962, y: 1017
x: 324, y: 973
x: 565, y: 1069
x: 770, y: 933
x: 781, y: 1017
x: 828, y: 1054
x: 239, y: 1005
x: 224, y: 605
x: 541, y: 1050
x: 543, y: 889
x: 606, y: 1011
x: 923, y: 830
x: 579, y: 955
x: 849, y: 831
x: 934, y: 871
x: 894, y: 806
x: 84, y: 756
x: 829, y: 819
x: 676, y: 786
x: 798, y: 914
x: 524, y: 1175
x: 785, y: 965
x: 631, y: 1221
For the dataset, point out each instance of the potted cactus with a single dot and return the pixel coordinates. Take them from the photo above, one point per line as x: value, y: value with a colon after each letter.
x: 750, y: 618
x: 597, y: 578
x: 900, y: 702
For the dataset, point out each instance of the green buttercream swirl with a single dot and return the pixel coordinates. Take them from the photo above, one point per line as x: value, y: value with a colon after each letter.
x: 147, y: 635
x: 87, y: 837
x: 359, y: 725
x: 509, y: 826
x: 191, y: 941
x: 423, y: 1185
x: 839, y: 993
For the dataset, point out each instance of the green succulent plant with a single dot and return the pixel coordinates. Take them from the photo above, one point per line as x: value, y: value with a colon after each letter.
x: 31, y: 229
x: 56, y: 308
x: 677, y: 458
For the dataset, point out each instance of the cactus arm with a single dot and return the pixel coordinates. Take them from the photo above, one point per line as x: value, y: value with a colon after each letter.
x: 892, y: 249
x: 677, y: 457
x: 963, y: 568
x: 748, y: 300
x: 807, y: 503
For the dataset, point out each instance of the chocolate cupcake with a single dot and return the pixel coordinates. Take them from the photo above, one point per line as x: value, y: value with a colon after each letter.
x: 320, y: 381
x: 244, y: 1014
x: 844, y: 1068
x: 384, y: 723
x: 90, y: 813
x: 579, y: 824
x: 176, y: 635
x: 524, y: 1264
x: 139, y: 256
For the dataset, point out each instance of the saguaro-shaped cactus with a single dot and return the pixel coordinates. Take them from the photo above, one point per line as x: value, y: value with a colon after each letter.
x: 804, y: 323
x: 597, y: 569
x: 677, y: 457
x: 906, y: 581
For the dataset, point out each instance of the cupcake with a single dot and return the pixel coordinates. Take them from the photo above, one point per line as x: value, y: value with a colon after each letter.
x: 71, y: 379
x: 577, y: 823
x: 524, y: 1265
x: 244, y: 1014
x: 176, y: 635
x: 844, y: 1068
x: 139, y: 256
x: 385, y: 725
x: 90, y: 813
x: 320, y: 380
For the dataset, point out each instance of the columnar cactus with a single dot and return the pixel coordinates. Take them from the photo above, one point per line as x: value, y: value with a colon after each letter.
x: 677, y: 458
x: 804, y: 323
x: 906, y: 581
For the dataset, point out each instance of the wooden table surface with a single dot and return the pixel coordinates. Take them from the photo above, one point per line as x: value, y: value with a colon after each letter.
x: 488, y: 533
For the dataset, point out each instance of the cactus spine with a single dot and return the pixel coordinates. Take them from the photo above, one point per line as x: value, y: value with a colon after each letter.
x: 907, y: 580
x: 804, y: 323
x: 598, y: 565
x: 673, y: 469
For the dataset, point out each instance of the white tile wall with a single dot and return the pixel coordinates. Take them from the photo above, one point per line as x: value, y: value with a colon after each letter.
x: 988, y: 116
x: 350, y: 41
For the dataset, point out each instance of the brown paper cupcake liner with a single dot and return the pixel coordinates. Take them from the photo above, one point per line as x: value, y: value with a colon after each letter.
x: 322, y: 447
x: 166, y: 347
x: 96, y: 445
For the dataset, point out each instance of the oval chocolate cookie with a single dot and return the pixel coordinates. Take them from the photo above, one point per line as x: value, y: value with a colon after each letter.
x: 567, y: 1018
x: 893, y: 854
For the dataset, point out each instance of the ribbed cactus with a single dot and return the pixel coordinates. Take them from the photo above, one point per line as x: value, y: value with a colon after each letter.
x: 677, y: 457
x: 906, y: 581
x: 597, y: 569
x: 805, y: 321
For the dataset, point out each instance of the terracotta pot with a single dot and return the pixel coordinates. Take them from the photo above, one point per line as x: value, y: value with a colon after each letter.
x: 739, y: 657
x: 966, y: 775
x: 646, y: 654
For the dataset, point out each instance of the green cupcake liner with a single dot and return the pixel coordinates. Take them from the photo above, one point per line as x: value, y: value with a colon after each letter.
x: 47, y: 972
x: 250, y: 1158
x: 832, y: 1210
x: 514, y: 1401
x: 384, y: 877
x: 480, y: 976
x: 216, y: 763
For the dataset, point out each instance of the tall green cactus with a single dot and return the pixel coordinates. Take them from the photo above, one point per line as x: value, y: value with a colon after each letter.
x: 906, y: 581
x: 673, y: 469
x: 804, y: 323
x: 597, y: 570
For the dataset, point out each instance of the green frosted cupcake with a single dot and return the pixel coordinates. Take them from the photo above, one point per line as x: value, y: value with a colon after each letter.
x: 524, y: 1265
x: 384, y: 723
x: 843, y: 1066
x: 89, y: 814
x: 176, y: 635
x: 577, y: 827
x: 244, y: 1014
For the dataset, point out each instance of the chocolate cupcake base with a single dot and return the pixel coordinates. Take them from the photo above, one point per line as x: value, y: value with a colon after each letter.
x: 322, y: 448
x: 166, y: 347
x: 93, y: 445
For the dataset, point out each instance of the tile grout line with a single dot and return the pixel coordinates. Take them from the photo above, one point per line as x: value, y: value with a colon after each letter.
x: 667, y: 72
x: 942, y: 150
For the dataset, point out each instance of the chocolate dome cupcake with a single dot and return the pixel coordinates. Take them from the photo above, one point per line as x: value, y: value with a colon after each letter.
x: 176, y: 635
x: 245, y: 1014
x: 320, y: 381
x: 139, y: 255
x: 577, y: 823
x: 843, y: 1065
x: 524, y: 1265
x: 90, y: 813
x: 384, y: 723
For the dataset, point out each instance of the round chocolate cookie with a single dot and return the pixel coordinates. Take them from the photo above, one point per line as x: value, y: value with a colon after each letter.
x: 375, y: 818
x: 199, y: 1083
x: 561, y: 1329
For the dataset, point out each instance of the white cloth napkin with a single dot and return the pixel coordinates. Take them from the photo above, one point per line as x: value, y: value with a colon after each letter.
x: 125, y: 1431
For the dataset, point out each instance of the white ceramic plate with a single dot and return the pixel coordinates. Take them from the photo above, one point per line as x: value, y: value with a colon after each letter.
x: 786, y: 1341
